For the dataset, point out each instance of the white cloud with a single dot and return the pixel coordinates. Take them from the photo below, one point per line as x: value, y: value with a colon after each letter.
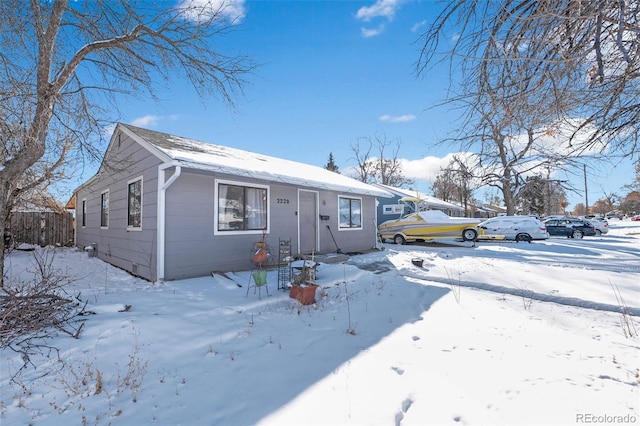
x: 397, y: 119
x: 199, y: 10
x: 146, y: 121
x: 428, y: 168
x: 423, y: 169
x: 381, y: 8
x: 418, y: 25
x: 372, y: 32
x: 565, y: 138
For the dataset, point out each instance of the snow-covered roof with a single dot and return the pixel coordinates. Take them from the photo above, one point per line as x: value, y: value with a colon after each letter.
x: 430, y: 200
x: 194, y: 154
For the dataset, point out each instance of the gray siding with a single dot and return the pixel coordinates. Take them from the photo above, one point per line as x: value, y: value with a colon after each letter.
x: 134, y: 251
x: 189, y: 246
x: 348, y: 240
x: 192, y: 248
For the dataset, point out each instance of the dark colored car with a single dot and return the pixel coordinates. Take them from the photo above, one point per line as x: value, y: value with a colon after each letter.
x: 570, y: 228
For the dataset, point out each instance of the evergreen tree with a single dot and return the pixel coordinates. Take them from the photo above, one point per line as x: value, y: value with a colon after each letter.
x: 331, y: 165
x: 532, y: 196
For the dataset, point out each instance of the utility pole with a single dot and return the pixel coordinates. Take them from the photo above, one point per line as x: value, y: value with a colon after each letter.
x: 548, y: 209
x: 586, y: 195
x: 549, y: 185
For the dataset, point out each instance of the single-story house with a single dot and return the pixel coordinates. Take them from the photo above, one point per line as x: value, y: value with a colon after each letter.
x: 391, y: 208
x: 166, y: 207
x: 487, y: 210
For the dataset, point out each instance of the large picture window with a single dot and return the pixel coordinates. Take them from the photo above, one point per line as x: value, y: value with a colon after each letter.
x: 134, y: 204
x: 350, y: 213
x: 104, y: 210
x: 241, y: 208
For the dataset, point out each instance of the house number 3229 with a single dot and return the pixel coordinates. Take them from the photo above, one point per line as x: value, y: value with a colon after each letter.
x: 282, y: 200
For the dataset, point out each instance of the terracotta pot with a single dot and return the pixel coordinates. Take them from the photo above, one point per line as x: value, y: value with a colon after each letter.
x: 305, y: 294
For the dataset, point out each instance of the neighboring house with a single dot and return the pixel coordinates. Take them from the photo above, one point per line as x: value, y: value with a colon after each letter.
x: 488, y: 210
x: 391, y: 208
x: 166, y: 207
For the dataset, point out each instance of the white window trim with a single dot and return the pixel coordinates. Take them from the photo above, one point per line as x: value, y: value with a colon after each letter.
x: 349, y: 197
x: 129, y: 182
x: 216, y: 183
x: 108, y: 208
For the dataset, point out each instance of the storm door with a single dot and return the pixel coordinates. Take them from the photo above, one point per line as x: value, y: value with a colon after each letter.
x: 307, y: 221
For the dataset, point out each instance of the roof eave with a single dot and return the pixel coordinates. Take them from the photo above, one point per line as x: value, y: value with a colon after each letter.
x: 269, y: 177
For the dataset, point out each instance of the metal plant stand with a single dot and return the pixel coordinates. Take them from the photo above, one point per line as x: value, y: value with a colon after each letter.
x: 284, y: 264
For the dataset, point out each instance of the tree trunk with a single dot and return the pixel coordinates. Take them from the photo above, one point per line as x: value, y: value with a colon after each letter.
x: 4, y: 215
x: 508, y: 200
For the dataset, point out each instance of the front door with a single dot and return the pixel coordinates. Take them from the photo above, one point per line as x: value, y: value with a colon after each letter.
x: 307, y: 221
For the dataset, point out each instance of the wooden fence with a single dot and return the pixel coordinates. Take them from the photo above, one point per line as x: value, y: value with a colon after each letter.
x: 42, y: 228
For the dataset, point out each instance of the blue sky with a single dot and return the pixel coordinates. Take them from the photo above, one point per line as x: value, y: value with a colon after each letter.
x: 331, y: 72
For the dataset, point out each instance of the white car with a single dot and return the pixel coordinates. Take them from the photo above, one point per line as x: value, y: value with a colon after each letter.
x: 516, y: 228
x: 601, y: 226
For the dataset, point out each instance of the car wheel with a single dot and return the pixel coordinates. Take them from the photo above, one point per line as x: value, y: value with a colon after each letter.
x: 523, y: 237
x: 598, y: 232
x: 399, y: 239
x: 577, y: 234
x: 469, y: 234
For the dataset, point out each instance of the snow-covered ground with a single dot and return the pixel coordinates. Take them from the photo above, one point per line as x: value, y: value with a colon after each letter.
x: 503, y: 333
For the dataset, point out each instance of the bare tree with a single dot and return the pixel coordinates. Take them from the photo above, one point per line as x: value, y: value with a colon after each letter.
x: 602, y: 206
x: 366, y: 164
x: 503, y: 125
x: 61, y: 60
x: 455, y: 183
x: 445, y: 185
x: 635, y: 185
x: 513, y: 110
x: 585, y: 54
x: 631, y: 203
x: 385, y: 169
x: 579, y: 210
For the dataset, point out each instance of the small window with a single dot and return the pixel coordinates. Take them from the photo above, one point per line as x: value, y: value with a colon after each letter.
x: 104, y: 211
x: 84, y: 213
x: 350, y: 213
x: 393, y: 209
x: 134, y: 204
x: 241, y: 208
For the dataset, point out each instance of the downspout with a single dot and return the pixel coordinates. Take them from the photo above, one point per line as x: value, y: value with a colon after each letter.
x: 161, y: 225
x: 377, y: 244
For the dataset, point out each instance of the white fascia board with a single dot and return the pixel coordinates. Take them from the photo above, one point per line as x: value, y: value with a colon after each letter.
x: 146, y: 145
